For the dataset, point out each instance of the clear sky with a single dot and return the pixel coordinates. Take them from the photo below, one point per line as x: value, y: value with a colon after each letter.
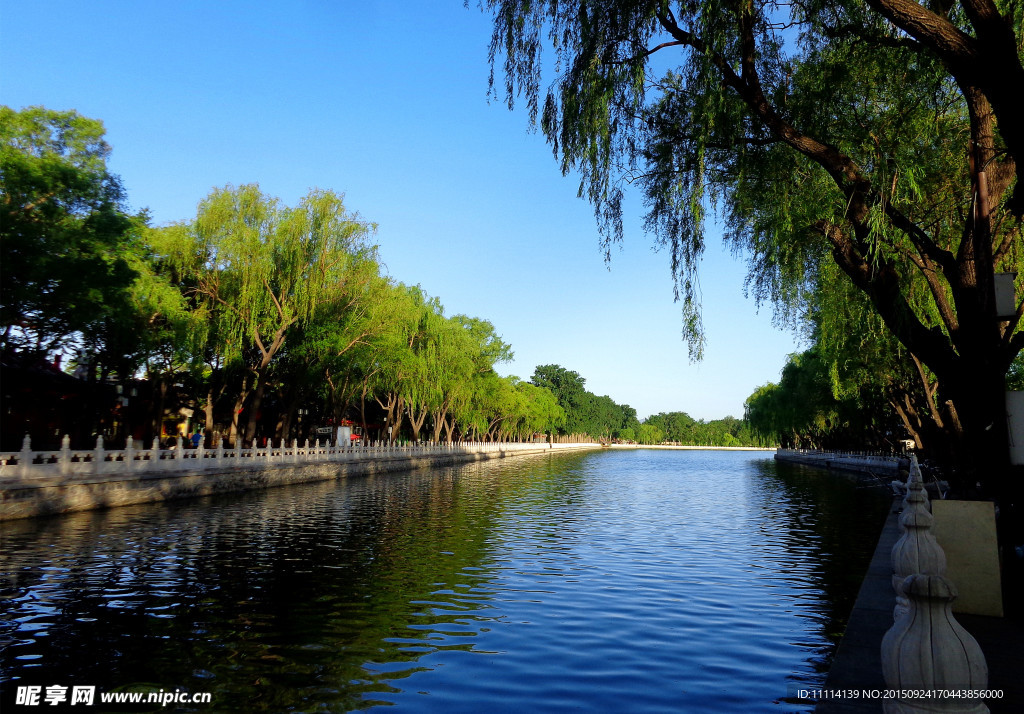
x: 386, y: 101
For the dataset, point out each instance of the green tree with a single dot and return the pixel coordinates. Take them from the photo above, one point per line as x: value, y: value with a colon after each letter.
x: 570, y: 391
x: 649, y: 434
x: 262, y: 271
x: 885, y: 136
x: 66, y: 237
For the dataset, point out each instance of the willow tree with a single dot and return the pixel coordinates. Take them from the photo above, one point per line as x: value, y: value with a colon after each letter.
x: 539, y: 411
x: 264, y: 270
x: 886, y: 136
x: 867, y: 365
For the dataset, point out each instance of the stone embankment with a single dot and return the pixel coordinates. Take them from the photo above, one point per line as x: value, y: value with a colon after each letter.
x: 34, y: 483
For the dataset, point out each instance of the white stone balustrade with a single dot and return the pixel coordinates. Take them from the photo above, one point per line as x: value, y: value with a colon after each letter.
x: 28, y: 464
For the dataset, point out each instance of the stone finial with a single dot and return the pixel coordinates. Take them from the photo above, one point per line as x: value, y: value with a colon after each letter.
x: 98, y: 455
x: 25, y: 458
x: 65, y: 455
x: 916, y: 495
x: 916, y: 552
x: 927, y: 649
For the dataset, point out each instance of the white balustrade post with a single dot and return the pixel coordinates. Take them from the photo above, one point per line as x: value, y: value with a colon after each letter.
x: 98, y: 456
x: 295, y: 450
x: 238, y: 450
x: 65, y: 455
x: 25, y: 457
x: 201, y: 452
x: 154, y: 454
x: 179, y: 453
x: 220, y: 452
x: 129, y: 454
x: 927, y: 649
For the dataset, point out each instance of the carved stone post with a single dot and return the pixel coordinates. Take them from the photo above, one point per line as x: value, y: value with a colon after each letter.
x: 25, y: 457
x: 65, y: 455
x: 98, y: 456
x: 916, y: 552
x: 927, y: 649
x: 129, y: 454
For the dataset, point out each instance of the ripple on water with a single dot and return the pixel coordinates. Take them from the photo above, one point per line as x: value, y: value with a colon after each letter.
x: 641, y: 581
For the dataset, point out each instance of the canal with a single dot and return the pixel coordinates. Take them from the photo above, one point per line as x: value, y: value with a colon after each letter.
x: 619, y: 581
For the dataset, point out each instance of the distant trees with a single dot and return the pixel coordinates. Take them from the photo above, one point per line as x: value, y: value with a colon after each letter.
x: 681, y: 428
x: 585, y: 413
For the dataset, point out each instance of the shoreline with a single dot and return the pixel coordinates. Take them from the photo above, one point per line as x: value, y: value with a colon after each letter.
x: 53, y: 495
x: 693, y: 448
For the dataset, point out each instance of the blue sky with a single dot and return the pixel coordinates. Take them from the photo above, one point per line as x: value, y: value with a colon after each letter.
x: 387, y: 103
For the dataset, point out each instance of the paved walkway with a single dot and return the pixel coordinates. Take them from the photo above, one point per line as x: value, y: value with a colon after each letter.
x: 858, y: 661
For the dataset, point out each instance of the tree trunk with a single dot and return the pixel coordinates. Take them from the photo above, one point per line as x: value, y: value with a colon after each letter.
x: 416, y: 421
x: 161, y: 400
x: 208, y: 411
x: 981, y: 437
x: 243, y: 394
x: 254, y: 407
x: 284, y: 423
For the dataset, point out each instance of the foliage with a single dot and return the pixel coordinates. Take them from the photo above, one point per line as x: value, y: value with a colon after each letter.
x: 258, y: 319
x: 682, y: 429
x: 884, y: 139
x: 263, y: 271
x: 585, y: 413
x: 66, y: 238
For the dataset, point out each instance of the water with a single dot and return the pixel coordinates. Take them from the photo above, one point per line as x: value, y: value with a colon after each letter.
x: 623, y: 581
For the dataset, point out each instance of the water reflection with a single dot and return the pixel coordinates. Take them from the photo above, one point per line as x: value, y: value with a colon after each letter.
x: 637, y: 581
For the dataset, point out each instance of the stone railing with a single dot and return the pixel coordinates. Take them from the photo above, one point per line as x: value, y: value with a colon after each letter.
x: 820, y: 453
x: 861, y: 461
x: 926, y: 650
x: 27, y: 464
